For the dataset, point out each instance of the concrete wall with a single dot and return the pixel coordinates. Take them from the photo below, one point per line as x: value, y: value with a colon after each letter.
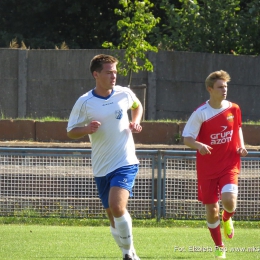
x: 180, y: 82
x: 9, y: 83
x: 40, y: 83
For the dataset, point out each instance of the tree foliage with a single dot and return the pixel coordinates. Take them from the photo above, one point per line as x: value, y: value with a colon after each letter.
x: 43, y: 24
x: 211, y: 26
x: 250, y: 29
x: 136, y: 23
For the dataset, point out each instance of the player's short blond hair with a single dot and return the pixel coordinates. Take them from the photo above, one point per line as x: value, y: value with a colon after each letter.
x: 96, y: 64
x: 216, y: 75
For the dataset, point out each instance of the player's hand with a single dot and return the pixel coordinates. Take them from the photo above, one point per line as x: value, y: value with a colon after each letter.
x: 135, y: 128
x: 205, y: 149
x: 242, y: 151
x: 93, y: 126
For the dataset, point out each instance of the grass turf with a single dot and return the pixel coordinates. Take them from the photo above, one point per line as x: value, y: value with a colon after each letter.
x: 55, y: 242
x: 55, y: 221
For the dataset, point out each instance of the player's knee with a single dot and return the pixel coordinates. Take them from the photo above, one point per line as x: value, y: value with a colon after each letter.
x: 117, y: 210
x: 212, y: 211
x: 229, y: 201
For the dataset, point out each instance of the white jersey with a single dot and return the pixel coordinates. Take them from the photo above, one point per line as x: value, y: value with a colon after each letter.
x: 112, y: 145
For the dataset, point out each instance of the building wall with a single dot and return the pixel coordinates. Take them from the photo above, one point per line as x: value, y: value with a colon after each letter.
x: 40, y: 83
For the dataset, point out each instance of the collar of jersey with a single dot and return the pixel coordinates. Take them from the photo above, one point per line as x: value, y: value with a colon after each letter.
x: 93, y: 93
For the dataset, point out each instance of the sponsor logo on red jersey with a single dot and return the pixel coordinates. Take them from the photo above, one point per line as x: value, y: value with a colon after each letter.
x: 230, y: 117
x: 221, y: 138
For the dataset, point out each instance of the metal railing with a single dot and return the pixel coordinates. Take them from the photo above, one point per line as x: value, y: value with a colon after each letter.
x: 58, y: 182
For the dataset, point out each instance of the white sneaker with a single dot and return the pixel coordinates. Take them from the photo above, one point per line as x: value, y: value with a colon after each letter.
x: 134, y: 256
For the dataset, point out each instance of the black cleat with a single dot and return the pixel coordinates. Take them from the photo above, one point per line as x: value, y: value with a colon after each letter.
x: 133, y: 257
x: 127, y: 257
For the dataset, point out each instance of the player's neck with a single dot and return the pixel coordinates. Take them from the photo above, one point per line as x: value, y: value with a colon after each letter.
x: 216, y: 104
x: 103, y: 92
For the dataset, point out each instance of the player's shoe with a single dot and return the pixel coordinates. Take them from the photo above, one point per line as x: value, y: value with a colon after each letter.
x: 127, y: 257
x: 228, y: 228
x: 220, y: 252
x: 133, y: 257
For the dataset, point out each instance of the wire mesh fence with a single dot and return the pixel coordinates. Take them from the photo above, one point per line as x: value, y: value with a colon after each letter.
x: 180, y: 187
x: 49, y: 182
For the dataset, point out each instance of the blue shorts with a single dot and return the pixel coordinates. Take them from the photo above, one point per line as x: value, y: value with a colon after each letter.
x: 123, y: 177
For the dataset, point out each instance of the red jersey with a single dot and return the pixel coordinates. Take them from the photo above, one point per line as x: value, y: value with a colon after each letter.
x: 218, y: 128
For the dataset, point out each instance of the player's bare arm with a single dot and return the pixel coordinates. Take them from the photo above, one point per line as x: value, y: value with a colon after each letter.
x: 202, y: 148
x: 137, y: 112
x: 242, y: 150
x: 79, y: 132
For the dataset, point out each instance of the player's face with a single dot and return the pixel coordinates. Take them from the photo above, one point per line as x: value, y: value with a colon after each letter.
x: 219, y: 90
x: 106, y: 78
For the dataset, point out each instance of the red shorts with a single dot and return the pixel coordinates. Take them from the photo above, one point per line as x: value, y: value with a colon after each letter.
x: 209, y: 190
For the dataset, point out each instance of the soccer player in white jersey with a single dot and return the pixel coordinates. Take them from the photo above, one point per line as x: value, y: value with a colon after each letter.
x: 214, y: 130
x: 102, y: 114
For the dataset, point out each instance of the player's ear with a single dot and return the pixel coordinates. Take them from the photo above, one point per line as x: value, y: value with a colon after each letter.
x: 209, y: 89
x: 95, y: 74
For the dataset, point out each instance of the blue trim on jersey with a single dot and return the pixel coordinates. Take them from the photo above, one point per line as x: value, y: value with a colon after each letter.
x: 123, y: 177
x: 95, y: 95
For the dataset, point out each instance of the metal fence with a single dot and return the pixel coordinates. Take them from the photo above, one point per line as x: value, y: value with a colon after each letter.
x: 57, y: 182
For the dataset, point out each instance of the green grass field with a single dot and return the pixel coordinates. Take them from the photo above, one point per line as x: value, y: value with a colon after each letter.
x: 25, y: 242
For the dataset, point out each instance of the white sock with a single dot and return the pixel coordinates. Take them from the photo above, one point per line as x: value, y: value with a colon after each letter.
x: 118, y: 241
x: 116, y: 237
x: 123, y: 226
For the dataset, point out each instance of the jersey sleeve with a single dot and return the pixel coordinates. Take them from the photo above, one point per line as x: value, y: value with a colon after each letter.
x: 239, y: 117
x: 78, y: 115
x: 192, y: 126
x: 132, y: 99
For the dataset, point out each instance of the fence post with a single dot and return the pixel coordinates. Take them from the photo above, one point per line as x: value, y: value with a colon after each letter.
x: 22, y: 83
x: 152, y: 84
x: 159, y: 185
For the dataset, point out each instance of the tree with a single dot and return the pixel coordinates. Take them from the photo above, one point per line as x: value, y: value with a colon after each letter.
x: 250, y: 29
x: 201, y: 26
x: 212, y: 26
x: 136, y: 23
x: 81, y: 24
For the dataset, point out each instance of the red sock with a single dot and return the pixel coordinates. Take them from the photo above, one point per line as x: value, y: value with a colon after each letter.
x: 226, y: 215
x: 216, y: 235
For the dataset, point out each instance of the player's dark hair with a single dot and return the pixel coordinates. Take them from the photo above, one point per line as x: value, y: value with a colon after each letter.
x: 96, y: 64
x: 216, y: 75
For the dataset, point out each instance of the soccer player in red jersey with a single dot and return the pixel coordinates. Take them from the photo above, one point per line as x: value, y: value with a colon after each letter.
x: 214, y: 130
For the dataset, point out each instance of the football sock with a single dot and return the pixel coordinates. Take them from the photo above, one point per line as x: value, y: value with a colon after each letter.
x: 123, y: 226
x: 227, y: 215
x: 215, y: 233
x: 118, y: 241
x: 116, y: 237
